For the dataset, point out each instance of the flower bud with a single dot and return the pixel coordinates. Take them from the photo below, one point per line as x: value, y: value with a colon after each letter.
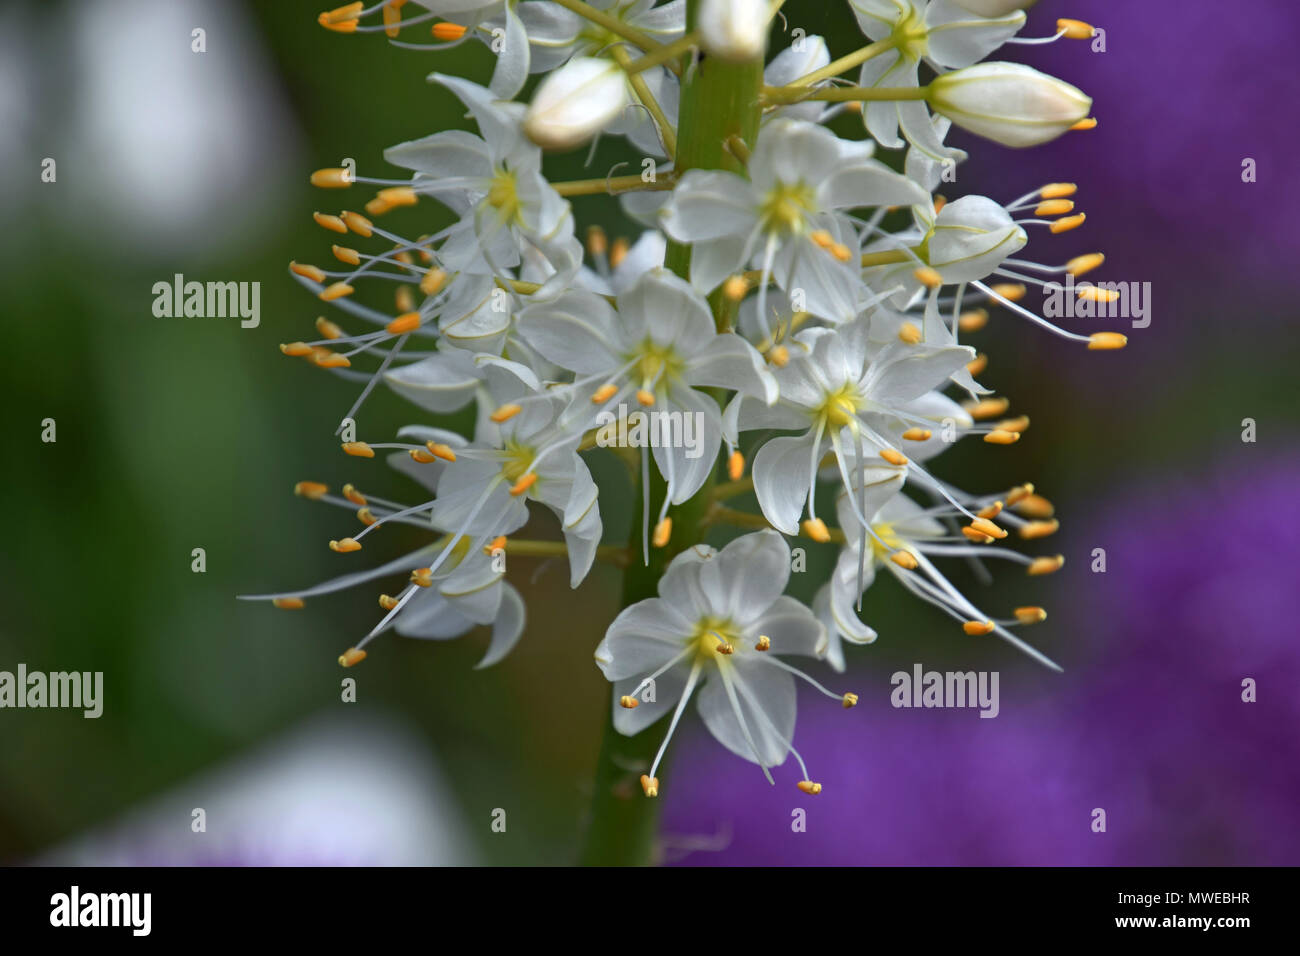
x: 994, y: 8
x: 1009, y: 103
x: 576, y: 102
x: 734, y: 30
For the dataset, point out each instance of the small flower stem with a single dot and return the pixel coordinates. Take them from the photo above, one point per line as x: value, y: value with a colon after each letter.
x: 666, y: 52
x: 642, y: 90
x: 777, y: 95
x: 611, y: 23
x: 845, y: 63
x: 610, y: 186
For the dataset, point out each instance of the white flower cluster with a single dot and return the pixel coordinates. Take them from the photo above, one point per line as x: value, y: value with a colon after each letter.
x: 772, y: 293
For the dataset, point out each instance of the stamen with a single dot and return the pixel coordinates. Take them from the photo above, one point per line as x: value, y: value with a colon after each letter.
x: 351, y: 657
x: 928, y: 277
x: 1107, y: 341
x: 904, y: 559
x: 354, y: 496
x: 336, y: 291
x: 1094, y: 293
x: 1030, y: 615
x: 403, y: 324
x: 663, y: 531
x: 1040, y: 529
x: 308, y: 271
x: 978, y: 628
x: 336, y: 178
x: 328, y: 329
x: 1068, y: 223
x: 645, y: 397
x: 1085, y: 124
x: 296, y: 349
x: 505, y: 413
x: 628, y: 703
x: 763, y: 643
x: 1046, y: 565
x: 332, y: 223
x: 523, y: 484
x: 499, y: 542
x: 310, y: 489
x: 893, y: 457
x: 358, y: 223
x: 387, y: 602
x: 917, y: 434
x: 909, y: 334
x: 432, y: 281
x: 807, y: 786
x: 735, y: 288
x: 1035, y: 506
x: 1075, y: 29
x: 439, y: 450
x: 815, y: 528
x: 618, y: 252
x: 987, y: 408
x: 850, y: 700
x: 650, y: 785
x: 1002, y: 437
x: 735, y: 466
x: 422, y: 577
x: 1058, y: 190
x: 978, y: 364
x: 1054, y: 207
x: 973, y: 321
x: 447, y: 31
x: 985, y: 526
x: 1081, y: 264
x: 344, y: 254
x: 604, y: 393
x: 358, y: 449
x: 345, y: 545
x: 288, y: 604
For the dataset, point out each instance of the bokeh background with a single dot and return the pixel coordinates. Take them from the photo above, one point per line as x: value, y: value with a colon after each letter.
x: 175, y: 434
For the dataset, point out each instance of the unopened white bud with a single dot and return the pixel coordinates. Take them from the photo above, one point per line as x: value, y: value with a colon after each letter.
x: 1009, y: 103
x: 995, y: 8
x: 734, y: 30
x: 576, y: 102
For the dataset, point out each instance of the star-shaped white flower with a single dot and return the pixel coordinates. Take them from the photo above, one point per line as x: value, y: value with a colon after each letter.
x: 718, y: 625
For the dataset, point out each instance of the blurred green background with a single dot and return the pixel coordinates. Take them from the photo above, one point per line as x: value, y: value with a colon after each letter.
x: 175, y: 434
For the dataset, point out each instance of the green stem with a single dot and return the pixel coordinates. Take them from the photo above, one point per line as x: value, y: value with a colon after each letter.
x: 611, y: 23
x: 844, y: 94
x: 718, y: 101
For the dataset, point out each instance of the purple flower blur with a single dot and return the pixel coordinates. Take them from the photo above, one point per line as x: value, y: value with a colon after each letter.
x: 1148, y: 721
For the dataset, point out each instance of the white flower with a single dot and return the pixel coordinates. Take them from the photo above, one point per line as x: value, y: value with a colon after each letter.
x: 1009, y: 103
x: 496, y: 186
x: 734, y: 29
x: 904, y: 537
x: 454, y: 583
x: 800, y: 175
x: 576, y: 102
x: 718, y: 625
x: 844, y: 392
x: 939, y: 32
x: 658, y: 345
x: 522, y: 453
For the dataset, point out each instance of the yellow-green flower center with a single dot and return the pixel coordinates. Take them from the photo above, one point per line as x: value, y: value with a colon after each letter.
x: 841, y: 406
x: 909, y: 36
x: 656, y: 362
x: 888, y: 543
x: 786, y: 207
x: 712, y: 633
x: 504, y: 196
x: 516, y: 461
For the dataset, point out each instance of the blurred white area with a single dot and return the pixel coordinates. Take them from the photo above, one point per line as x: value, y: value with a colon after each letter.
x: 159, y: 148
x: 346, y: 789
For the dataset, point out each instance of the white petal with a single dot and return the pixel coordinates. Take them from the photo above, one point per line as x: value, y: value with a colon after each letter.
x: 774, y: 691
x: 640, y: 640
x: 782, y: 474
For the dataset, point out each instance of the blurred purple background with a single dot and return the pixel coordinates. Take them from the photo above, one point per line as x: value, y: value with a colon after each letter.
x: 1201, y: 530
